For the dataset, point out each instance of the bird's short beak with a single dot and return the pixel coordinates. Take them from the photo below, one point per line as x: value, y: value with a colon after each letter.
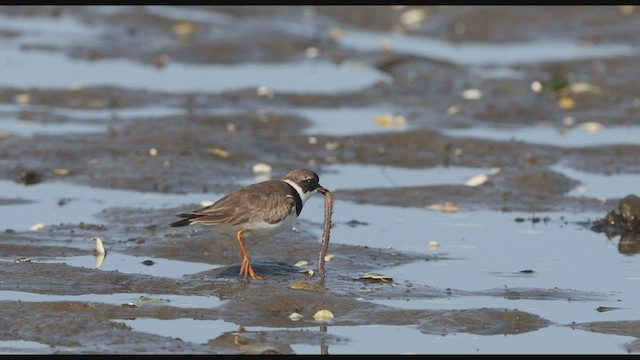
x: 322, y: 190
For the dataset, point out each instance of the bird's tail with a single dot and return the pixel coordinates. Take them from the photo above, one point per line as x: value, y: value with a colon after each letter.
x: 184, y: 222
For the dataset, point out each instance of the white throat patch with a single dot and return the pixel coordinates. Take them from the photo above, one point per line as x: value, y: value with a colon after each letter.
x: 303, y: 196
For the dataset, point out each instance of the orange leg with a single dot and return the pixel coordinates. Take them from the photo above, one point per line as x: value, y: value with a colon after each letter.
x: 236, y: 339
x: 246, y: 268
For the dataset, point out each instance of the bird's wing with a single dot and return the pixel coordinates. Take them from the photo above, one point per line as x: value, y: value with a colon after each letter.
x: 247, y: 204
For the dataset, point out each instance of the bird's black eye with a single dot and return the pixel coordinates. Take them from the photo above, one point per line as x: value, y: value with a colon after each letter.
x: 309, y: 184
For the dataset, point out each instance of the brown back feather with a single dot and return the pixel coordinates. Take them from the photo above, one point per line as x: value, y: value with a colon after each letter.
x: 254, y: 199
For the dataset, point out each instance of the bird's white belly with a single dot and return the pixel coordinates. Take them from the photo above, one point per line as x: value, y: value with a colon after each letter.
x: 257, y: 229
x: 262, y: 229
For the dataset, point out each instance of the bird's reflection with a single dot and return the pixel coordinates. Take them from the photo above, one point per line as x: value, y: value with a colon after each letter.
x: 254, y: 342
x: 248, y: 342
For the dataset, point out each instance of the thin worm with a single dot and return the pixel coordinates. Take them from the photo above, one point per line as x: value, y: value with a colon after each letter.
x: 326, y: 228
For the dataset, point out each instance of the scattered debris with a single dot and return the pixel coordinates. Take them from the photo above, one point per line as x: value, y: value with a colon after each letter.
x: 375, y: 277
x: 302, y: 285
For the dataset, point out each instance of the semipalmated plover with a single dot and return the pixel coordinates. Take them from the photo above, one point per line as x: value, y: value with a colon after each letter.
x: 257, y: 210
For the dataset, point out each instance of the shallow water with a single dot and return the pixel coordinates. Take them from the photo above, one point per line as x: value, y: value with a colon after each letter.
x: 23, y: 347
x: 475, y: 244
x: 50, y: 70
x: 485, y: 54
x: 548, y: 135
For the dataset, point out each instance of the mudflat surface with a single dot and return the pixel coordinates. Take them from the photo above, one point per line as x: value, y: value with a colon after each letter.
x: 211, y: 145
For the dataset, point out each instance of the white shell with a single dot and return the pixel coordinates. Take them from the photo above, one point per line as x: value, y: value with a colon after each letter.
x: 323, y: 315
x: 295, y: 316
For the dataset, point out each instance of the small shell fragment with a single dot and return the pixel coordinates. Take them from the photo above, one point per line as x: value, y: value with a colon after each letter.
x: 261, y: 168
x: 312, y: 52
x: 536, y: 86
x: 99, y: 246
x: 37, y: 227
x: 323, y: 315
x: 591, y: 126
x: 583, y: 87
x: 389, y: 120
x: 328, y: 257
x: 23, y: 260
x: 307, y: 287
x: 23, y: 98
x: 295, y: 316
x: 301, y: 263
x: 477, y: 180
x: 433, y: 245
x: 566, y: 103
x: 218, y: 152
x: 150, y: 301
x: 331, y: 145
x: 568, y: 121
x: 184, y: 29
x: 445, y: 207
x: 335, y: 33
x: 266, y: 92
x: 376, y: 277
x: 61, y: 171
x: 472, y: 94
x: 413, y: 17
x: 309, y: 272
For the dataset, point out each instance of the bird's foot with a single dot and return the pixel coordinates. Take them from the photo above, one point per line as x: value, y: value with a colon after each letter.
x: 247, y: 270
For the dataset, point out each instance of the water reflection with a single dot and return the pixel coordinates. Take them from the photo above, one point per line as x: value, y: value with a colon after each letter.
x: 324, y: 348
x: 629, y: 244
x: 250, y: 342
x: 99, y: 259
